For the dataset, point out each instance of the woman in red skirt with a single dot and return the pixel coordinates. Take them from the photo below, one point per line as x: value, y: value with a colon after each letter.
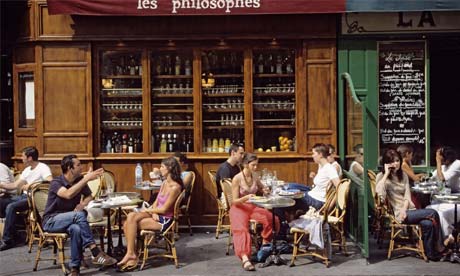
x: 245, y: 185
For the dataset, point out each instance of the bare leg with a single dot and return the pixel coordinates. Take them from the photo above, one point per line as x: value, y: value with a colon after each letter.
x: 130, y: 229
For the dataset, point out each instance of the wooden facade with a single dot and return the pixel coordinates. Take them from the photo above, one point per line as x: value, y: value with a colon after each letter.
x: 61, y: 52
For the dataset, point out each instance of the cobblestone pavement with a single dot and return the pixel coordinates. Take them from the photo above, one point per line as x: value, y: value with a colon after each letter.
x: 202, y: 254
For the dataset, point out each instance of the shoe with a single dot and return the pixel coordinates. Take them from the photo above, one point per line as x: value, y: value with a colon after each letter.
x: 129, y: 266
x: 74, y: 271
x: 104, y: 259
x: 6, y: 246
x: 248, y: 266
x: 435, y: 258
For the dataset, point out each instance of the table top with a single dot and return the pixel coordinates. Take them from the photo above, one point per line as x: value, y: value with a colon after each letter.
x: 134, y: 199
x: 452, y: 199
x: 273, y: 202
x: 147, y: 187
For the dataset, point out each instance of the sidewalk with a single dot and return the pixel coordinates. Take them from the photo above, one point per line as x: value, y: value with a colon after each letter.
x: 202, y: 254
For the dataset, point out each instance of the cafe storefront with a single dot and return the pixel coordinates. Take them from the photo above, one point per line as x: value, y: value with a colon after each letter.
x: 126, y: 82
x: 397, y: 84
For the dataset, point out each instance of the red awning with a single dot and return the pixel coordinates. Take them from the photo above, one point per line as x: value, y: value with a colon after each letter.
x: 193, y: 7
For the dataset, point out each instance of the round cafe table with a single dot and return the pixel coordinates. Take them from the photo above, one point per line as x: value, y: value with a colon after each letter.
x: 452, y: 199
x: 271, y: 204
x: 134, y: 200
x: 152, y: 187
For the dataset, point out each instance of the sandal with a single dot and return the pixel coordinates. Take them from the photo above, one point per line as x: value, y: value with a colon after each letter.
x: 127, y: 267
x: 249, y: 267
x: 449, y: 240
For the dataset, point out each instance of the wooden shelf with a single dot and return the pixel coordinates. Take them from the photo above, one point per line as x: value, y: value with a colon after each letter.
x: 172, y: 95
x: 274, y: 75
x: 224, y: 95
x: 275, y: 126
x: 228, y: 75
x: 173, y: 127
x: 172, y: 76
x: 272, y: 94
x: 125, y: 128
x: 122, y: 111
x: 122, y: 96
x: 122, y: 77
x: 223, y: 110
x: 172, y: 110
x: 273, y: 110
x: 223, y: 127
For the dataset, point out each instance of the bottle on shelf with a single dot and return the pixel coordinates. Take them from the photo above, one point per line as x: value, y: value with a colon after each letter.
x: 138, y: 174
x: 108, y: 147
x: 130, y: 144
x: 270, y: 64
x: 260, y: 64
x: 177, y: 66
x: 138, y: 144
x: 189, y: 146
x: 170, y: 144
x: 132, y: 65
x: 159, y: 66
x: 167, y: 66
x: 188, y: 67
x: 174, y: 143
x: 124, y: 145
x: 163, y: 143
x: 279, y: 64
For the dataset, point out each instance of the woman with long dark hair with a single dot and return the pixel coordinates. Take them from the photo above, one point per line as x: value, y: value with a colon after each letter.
x: 158, y: 217
x: 245, y: 185
x: 393, y: 184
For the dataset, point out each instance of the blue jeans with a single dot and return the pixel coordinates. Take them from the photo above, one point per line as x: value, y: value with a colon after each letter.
x: 305, y: 202
x: 300, y: 187
x: 76, y: 225
x: 17, y: 204
x: 428, y: 219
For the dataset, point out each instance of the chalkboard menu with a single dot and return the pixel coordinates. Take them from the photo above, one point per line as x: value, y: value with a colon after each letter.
x: 402, y: 112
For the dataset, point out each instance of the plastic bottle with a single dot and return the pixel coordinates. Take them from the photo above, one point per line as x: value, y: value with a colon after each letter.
x: 108, y: 147
x: 138, y: 173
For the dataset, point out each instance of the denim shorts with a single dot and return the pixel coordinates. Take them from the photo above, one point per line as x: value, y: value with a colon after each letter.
x: 165, y: 222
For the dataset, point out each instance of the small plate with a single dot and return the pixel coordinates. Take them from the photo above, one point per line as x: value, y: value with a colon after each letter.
x: 446, y: 197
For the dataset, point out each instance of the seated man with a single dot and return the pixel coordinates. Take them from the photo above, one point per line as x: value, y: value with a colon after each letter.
x: 65, y: 212
x: 9, y: 206
x: 231, y: 166
x: 6, y: 176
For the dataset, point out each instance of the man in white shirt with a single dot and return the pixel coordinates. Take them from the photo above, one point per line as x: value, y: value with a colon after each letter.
x: 34, y: 171
x: 448, y: 168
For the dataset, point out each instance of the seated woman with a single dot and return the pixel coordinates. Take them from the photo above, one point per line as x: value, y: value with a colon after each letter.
x: 393, y: 184
x: 448, y: 170
x: 245, y: 185
x: 407, y: 152
x: 185, y: 175
x: 356, y: 167
x: 331, y: 159
x: 325, y: 176
x: 157, y: 217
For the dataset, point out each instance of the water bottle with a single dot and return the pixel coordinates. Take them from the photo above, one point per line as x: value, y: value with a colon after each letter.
x: 138, y: 174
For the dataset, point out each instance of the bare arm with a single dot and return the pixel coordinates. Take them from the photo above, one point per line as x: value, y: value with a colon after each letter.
x: 358, y: 169
x: 187, y: 180
x: 13, y: 185
x: 63, y: 192
x: 83, y: 203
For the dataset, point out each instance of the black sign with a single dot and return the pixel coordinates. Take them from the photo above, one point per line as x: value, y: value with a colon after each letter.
x: 402, y: 113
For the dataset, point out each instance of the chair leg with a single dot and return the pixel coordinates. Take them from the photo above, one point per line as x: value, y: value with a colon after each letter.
x: 189, y: 224
x: 219, y: 223
x: 174, y: 255
x: 60, y: 244
x: 229, y: 242
x: 392, y: 242
x: 39, y: 250
x: 295, y: 248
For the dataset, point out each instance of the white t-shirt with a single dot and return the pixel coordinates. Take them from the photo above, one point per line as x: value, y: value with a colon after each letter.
x: 39, y: 173
x: 452, y: 175
x: 6, y: 176
x: 337, y: 165
x: 322, y: 179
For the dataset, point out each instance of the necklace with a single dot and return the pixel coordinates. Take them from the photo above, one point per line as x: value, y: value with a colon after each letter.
x: 249, y: 183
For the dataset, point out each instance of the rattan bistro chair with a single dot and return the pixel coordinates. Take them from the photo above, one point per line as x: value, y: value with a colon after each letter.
x: 33, y: 233
x: 336, y: 217
x: 403, y: 236
x: 222, y: 209
x: 185, y: 207
x: 39, y: 196
x: 302, y: 234
x: 150, y: 238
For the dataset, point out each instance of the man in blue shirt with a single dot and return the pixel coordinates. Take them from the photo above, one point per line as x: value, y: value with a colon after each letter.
x: 231, y: 166
x: 64, y: 212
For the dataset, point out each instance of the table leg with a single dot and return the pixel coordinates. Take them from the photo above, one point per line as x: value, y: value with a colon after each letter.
x: 274, y: 257
x: 455, y: 255
x: 109, y: 235
x: 120, y: 249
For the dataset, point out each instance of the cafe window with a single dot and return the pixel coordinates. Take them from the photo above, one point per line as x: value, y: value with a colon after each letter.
x: 26, y: 100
